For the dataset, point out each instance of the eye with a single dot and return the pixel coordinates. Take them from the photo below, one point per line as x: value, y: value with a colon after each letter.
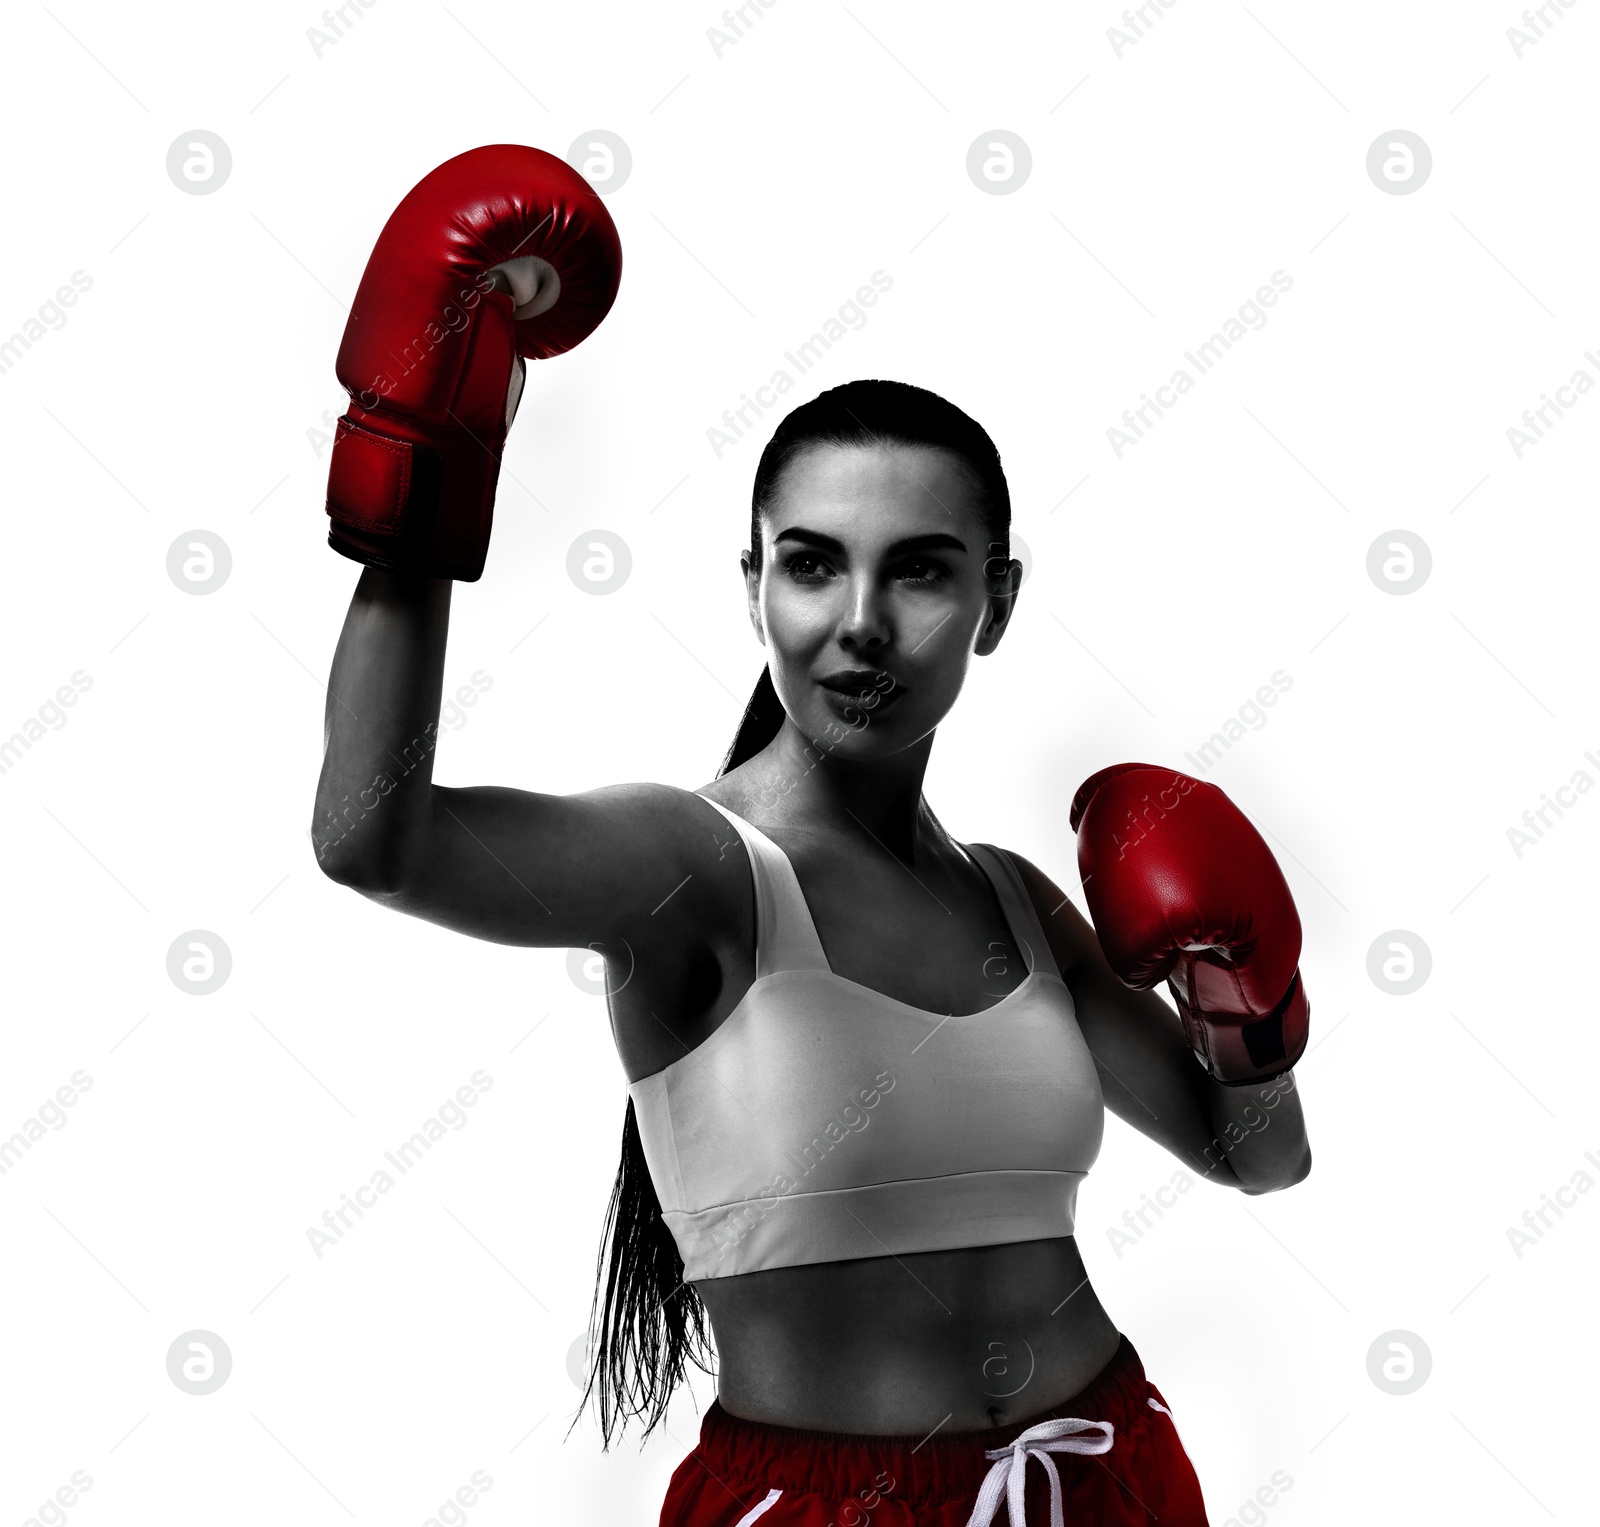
x: 804, y: 567
x: 922, y: 571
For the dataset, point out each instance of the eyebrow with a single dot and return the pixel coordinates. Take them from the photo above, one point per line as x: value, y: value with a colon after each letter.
x: 934, y: 541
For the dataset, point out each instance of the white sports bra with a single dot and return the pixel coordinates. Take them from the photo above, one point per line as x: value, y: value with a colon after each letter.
x: 823, y: 1121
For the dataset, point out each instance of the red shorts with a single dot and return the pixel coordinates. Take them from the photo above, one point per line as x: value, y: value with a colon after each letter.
x: 1119, y: 1462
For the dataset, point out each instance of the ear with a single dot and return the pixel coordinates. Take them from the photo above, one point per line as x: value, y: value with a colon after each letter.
x: 752, y: 594
x: 1003, y: 592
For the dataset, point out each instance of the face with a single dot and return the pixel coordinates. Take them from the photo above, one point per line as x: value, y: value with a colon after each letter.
x: 877, y: 586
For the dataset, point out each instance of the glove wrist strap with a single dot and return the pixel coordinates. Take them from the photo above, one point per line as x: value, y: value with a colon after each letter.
x: 411, y: 499
x: 1241, y: 1052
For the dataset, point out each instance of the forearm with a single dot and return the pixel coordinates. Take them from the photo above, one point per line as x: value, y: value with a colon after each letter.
x: 1258, y: 1134
x: 380, y: 729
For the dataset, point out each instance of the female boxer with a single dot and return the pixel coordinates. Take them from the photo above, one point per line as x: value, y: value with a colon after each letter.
x: 867, y: 1064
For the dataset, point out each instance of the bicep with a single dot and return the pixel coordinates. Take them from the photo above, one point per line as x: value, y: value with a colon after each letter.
x: 559, y: 871
x: 1147, y: 1071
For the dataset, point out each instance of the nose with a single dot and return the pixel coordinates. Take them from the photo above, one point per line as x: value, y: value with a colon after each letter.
x: 864, y: 624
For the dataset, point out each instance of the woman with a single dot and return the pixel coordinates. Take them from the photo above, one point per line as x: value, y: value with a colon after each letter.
x: 866, y: 1064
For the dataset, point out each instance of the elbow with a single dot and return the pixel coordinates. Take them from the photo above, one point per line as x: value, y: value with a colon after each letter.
x: 344, y: 869
x: 372, y: 868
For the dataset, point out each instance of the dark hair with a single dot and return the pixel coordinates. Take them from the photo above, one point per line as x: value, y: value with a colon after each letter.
x: 885, y: 413
x: 651, y: 1324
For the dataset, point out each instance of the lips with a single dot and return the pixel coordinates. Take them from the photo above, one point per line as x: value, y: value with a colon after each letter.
x: 855, y: 691
x: 862, y: 683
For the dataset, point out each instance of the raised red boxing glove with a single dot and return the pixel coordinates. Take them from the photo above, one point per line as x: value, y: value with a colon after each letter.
x: 1182, y: 888
x: 500, y: 253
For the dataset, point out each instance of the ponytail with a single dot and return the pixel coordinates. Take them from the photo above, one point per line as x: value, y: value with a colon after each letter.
x: 651, y: 1324
x: 761, y: 722
x: 646, y: 1325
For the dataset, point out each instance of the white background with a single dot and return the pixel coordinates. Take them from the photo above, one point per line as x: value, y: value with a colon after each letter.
x: 769, y: 182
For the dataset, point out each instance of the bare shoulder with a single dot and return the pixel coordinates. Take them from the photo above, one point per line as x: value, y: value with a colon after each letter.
x: 671, y: 841
x: 662, y: 819
x: 1072, y: 938
x: 698, y: 886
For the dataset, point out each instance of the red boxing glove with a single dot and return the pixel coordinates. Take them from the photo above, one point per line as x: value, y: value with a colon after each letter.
x: 1181, y: 887
x: 500, y: 253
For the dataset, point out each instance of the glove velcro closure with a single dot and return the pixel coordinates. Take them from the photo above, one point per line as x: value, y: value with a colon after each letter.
x: 412, y: 500
x: 371, y: 479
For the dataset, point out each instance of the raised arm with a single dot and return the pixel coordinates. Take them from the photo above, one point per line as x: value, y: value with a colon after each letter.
x: 500, y: 255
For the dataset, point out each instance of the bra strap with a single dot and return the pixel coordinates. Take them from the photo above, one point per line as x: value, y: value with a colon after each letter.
x: 1017, y: 906
x: 786, y: 937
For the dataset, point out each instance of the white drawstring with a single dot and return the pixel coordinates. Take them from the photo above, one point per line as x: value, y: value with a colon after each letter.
x: 1009, y: 1474
x: 1157, y: 1405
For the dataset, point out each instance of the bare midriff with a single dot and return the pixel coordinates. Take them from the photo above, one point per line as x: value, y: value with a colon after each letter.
x: 942, y: 1340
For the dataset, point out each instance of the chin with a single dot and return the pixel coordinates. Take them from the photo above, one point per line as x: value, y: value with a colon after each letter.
x: 856, y: 747
x: 855, y: 733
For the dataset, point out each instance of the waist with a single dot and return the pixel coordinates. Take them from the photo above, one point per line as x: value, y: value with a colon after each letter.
x: 948, y: 1466
x: 967, y: 1339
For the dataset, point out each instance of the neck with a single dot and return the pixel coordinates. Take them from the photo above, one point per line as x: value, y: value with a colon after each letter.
x: 882, y: 798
